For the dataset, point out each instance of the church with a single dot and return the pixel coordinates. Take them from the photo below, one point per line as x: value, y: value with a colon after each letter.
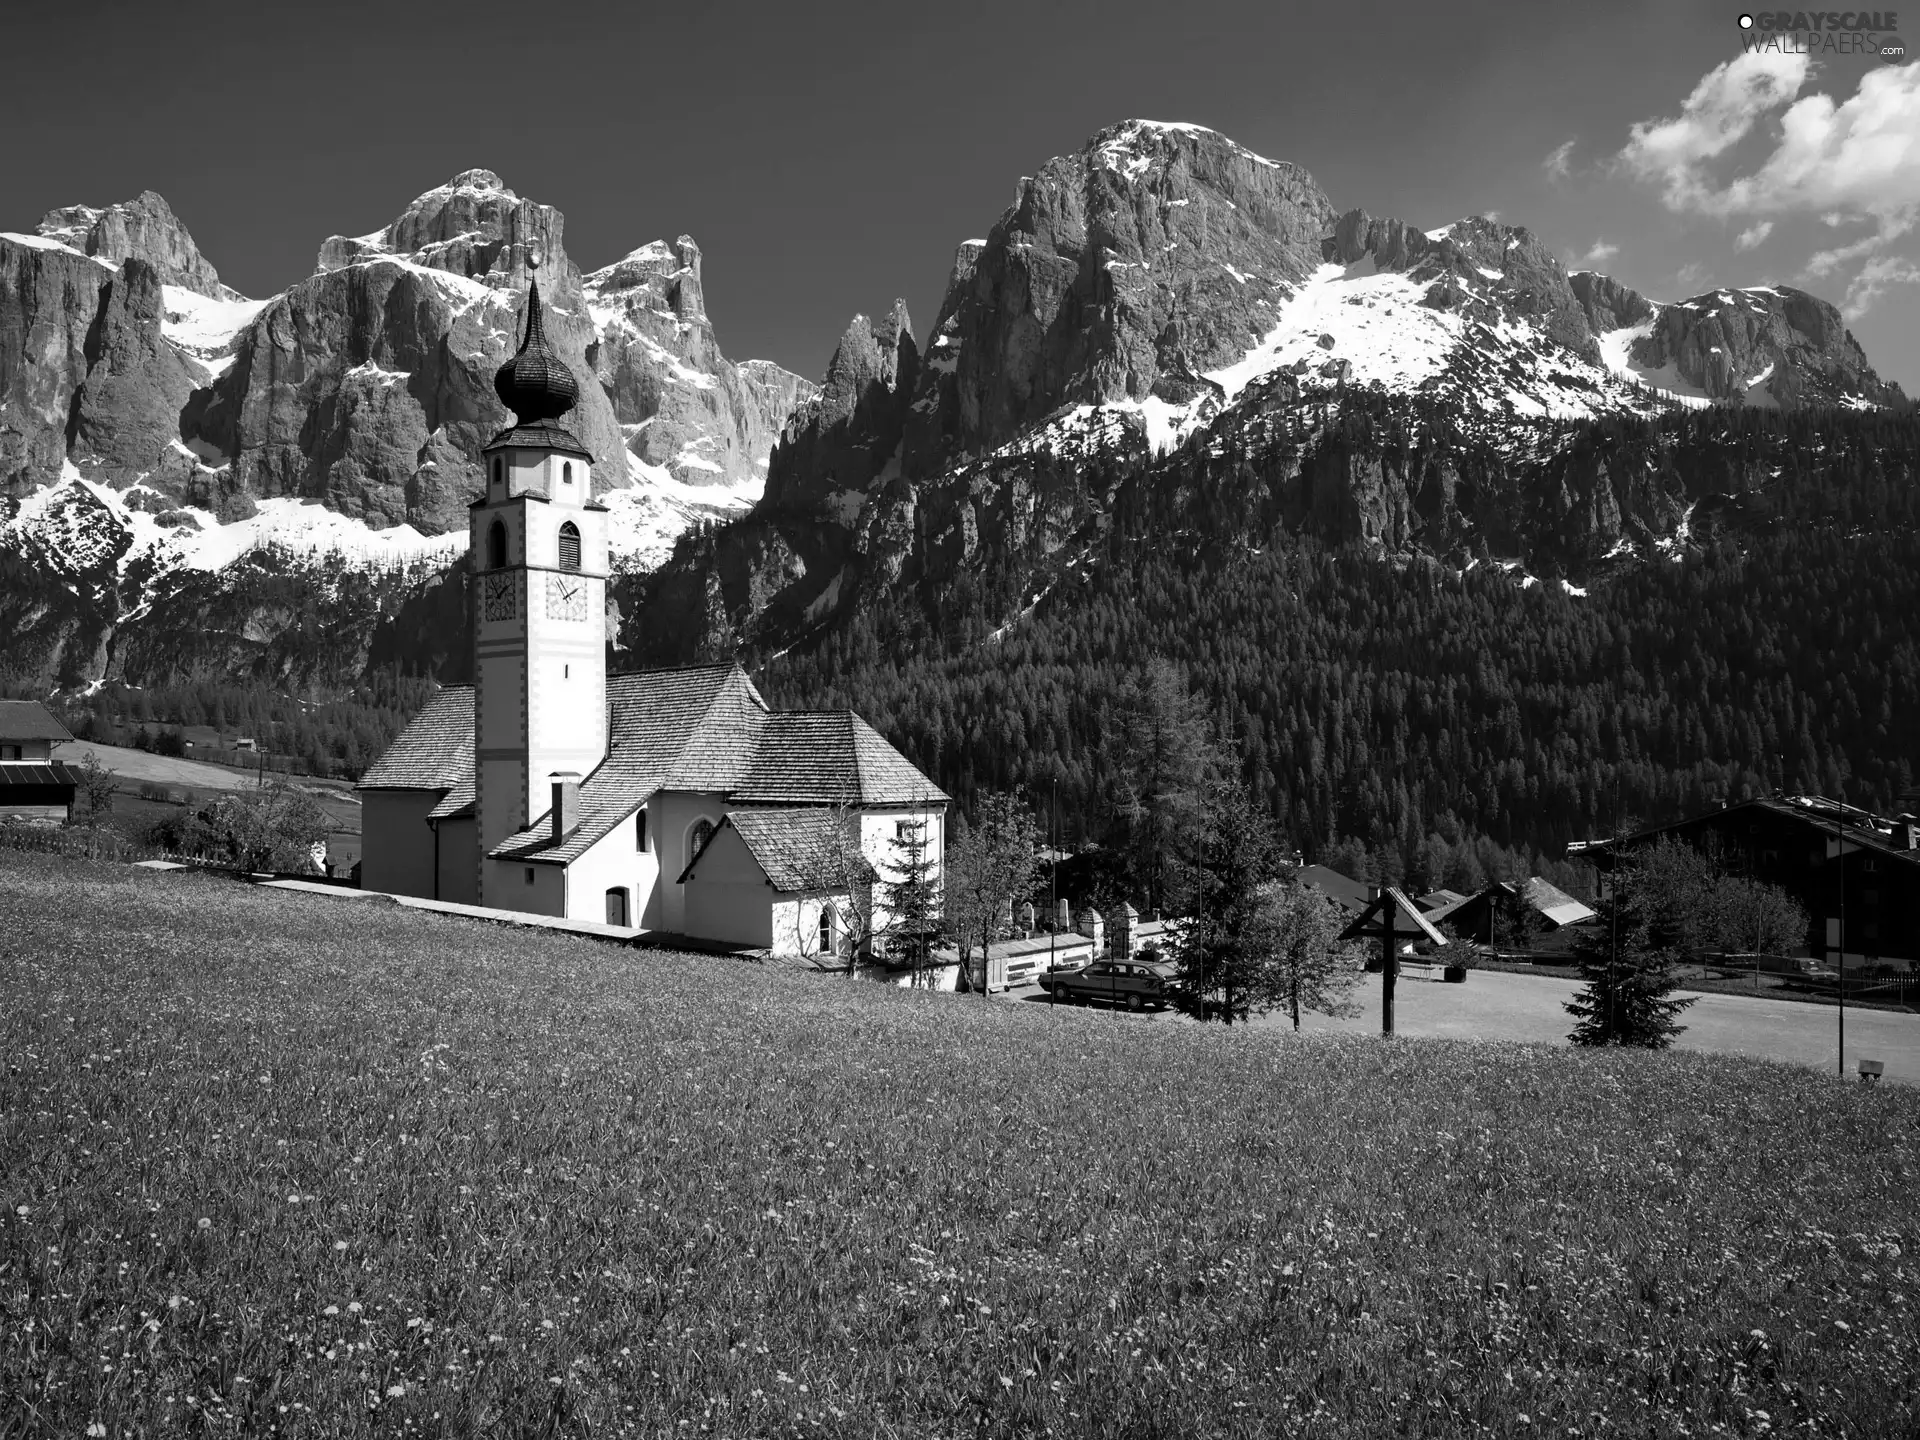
x: 673, y: 801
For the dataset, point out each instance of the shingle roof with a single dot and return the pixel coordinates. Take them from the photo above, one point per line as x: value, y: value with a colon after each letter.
x: 29, y: 720
x: 797, y: 849
x: 828, y: 757
x: 688, y: 729
x: 457, y: 802
x: 703, y: 729
x: 434, y: 752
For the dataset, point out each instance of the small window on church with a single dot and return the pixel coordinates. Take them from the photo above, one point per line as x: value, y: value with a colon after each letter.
x: 826, y: 930
x: 569, y: 547
x: 566, y: 472
x: 496, y: 469
x: 497, y: 545
x: 640, y: 831
x: 529, y: 874
x: 702, y: 832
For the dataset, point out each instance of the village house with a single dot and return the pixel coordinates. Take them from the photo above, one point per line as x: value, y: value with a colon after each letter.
x: 1472, y: 916
x: 675, y: 801
x: 1857, y: 874
x: 33, y: 786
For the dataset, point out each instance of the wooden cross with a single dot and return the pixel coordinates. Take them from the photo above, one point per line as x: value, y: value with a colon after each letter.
x: 1380, y: 919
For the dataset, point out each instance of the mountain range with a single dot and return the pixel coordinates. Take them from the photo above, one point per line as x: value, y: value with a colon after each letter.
x: 197, y: 484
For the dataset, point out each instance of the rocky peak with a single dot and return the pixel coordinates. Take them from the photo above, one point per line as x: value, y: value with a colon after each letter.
x: 1475, y: 267
x: 143, y: 228
x: 1767, y: 344
x: 846, y: 436
x: 1609, y: 304
x: 1153, y: 251
x: 474, y: 226
x: 868, y: 356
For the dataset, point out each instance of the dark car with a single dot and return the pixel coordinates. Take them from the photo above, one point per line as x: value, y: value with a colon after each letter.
x: 1133, y: 983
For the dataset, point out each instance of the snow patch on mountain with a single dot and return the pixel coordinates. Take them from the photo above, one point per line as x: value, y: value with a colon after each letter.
x: 644, y: 520
x: 79, y: 525
x: 1616, y: 348
x: 43, y: 242
x: 207, y: 331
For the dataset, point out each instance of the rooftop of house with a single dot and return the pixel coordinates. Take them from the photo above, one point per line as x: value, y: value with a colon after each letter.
x: 1860, y: 827
x: 29, y: 720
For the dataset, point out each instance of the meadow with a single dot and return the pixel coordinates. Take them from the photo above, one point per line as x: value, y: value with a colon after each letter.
x: 276, y: 1164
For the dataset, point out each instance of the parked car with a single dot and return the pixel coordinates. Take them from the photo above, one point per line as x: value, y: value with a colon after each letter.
x: 1132, y: 983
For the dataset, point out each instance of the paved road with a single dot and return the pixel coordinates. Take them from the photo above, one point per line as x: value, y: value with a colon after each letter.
x: 1495, y: 1005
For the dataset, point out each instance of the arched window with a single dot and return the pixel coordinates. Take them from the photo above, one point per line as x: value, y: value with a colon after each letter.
x: 569, y: 547
x: 497, y: 546
x: 826, y: 930
x: 496, y: 469
x: 698, y: 836
x: 566, y: 472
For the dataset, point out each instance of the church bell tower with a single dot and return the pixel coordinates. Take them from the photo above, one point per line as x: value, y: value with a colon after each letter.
x: 539, y: 556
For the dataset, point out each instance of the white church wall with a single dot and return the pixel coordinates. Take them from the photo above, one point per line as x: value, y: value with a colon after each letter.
x: 396, y: 847
x: 671, y: 820
x: 534, y: 889
x: 612, y: 863
x: 458, y: 862
x: 733, y: 912
x: 796, y: 924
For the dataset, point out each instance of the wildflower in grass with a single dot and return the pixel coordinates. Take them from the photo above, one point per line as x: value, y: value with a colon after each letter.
x: 205, y: 1223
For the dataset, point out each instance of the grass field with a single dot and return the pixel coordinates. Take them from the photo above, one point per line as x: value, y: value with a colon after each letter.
x: 278, y: 1164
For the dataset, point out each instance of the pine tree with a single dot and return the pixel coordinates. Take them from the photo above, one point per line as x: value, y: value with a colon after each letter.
x: 912, y: 896
x: 1629, y: 982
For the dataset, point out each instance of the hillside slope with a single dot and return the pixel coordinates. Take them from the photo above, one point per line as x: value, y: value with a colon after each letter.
x: 604, y: 1191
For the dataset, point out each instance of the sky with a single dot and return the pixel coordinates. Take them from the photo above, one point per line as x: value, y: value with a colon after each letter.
x: 828, y: 157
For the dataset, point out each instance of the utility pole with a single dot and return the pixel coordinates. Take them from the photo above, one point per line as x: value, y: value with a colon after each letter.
x: 1053, y: 886
x: 1840, y: 859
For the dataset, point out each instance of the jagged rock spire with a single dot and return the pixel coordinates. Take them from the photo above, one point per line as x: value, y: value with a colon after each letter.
x: 536, y: 384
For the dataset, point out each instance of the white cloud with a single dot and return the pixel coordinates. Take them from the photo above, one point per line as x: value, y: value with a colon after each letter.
x: 1855, y: 161
x: 1722, y: 109
x: 1559, y: 162
x: 1873, y: 281
x: 1825, y: 262
x: 1597, y: 254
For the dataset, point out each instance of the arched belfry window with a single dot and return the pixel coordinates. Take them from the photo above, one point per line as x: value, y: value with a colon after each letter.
x: 497, y: 544
x: 569, y: 547
x: 566, y: 472
x: 496, y: 469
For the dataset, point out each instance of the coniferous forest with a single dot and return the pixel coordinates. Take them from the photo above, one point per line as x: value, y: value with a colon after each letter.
x: 1407, y: 711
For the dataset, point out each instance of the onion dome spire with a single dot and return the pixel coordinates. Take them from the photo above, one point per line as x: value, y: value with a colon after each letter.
x: 536, y: 384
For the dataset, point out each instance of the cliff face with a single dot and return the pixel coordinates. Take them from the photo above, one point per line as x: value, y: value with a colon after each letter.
x: 143, y: 228
x: 340, y: 419
x: 1165, y: 287
x: 680, y: 404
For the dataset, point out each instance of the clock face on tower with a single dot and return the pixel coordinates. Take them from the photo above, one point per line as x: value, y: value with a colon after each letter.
x: 502, y: 597
x: 566, y: 597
